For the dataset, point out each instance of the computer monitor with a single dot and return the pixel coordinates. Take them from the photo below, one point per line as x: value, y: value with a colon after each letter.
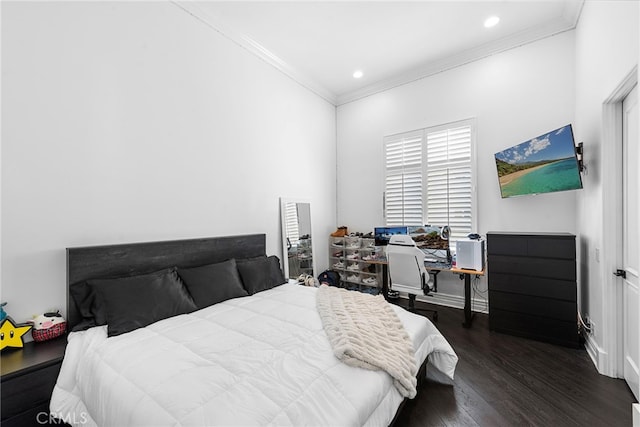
x: 383, y: 234
x: 429, y: 239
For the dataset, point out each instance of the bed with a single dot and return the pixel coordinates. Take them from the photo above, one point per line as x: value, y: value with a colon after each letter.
x: 257, y: 359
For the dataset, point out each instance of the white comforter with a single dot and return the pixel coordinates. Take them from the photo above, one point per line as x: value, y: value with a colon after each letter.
x: 258, y: 360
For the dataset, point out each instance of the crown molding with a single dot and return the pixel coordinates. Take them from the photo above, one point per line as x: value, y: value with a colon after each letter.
x: 572, y: 11
x: 567, y: 22
x: 255, y: 48
x: 521, y: 38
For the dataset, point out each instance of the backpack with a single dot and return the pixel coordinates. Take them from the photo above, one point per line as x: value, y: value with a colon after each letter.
x: 329, y: 277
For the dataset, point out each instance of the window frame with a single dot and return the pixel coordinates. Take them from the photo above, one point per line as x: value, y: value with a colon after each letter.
x: 471, y: 123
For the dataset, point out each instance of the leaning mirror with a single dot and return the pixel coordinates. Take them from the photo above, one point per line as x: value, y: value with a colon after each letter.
x: 296, y: 238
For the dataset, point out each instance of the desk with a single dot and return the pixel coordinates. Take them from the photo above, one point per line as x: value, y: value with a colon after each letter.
x: 464, y: 274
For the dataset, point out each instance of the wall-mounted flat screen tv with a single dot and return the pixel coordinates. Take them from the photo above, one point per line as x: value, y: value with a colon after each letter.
x: 544, y: 164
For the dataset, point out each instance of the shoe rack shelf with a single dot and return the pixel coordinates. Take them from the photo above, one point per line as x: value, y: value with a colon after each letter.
x: 351, y: 257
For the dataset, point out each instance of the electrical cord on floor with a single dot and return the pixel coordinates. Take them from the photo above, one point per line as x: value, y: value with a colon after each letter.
x: 476, y: 290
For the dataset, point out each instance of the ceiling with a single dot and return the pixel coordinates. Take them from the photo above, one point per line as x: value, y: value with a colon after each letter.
x: 321, y: 43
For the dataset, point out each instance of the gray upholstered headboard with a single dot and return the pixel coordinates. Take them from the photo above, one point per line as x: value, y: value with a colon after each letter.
x: 93, y: 262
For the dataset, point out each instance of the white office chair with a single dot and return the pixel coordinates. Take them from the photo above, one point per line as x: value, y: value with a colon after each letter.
x: 406, y: 270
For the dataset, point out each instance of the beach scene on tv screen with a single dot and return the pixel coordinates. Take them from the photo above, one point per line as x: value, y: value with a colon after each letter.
x: 541, y: 165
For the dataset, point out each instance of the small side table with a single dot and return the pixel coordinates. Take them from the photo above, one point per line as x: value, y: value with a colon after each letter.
x: 28, y: 377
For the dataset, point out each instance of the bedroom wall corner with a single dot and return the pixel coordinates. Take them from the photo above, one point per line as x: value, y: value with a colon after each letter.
x: 607, y: 46
x: 134, y: 121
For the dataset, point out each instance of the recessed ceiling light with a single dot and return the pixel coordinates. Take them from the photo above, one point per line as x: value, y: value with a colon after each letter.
x: 492, y: 21
x: 357, y: 74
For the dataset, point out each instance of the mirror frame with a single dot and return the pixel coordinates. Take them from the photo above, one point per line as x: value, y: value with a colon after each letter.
x: 285, y: 251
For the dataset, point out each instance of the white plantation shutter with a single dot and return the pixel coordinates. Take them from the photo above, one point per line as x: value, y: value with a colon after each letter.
x: 429, y: 178
x: 449, y: 181
x: 403, y: 181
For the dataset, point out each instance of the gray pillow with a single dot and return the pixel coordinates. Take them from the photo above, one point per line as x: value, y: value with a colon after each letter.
x: 275, y: 272
x: 86, y: 299
x: 260, y: 273
x: 213, y: 283
x: 138, y: 301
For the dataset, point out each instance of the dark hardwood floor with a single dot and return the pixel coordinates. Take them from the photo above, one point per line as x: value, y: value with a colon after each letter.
x: 502, y: 380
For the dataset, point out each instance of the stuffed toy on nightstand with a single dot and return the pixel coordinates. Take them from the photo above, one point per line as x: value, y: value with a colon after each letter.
x: 11, y: 334
x: 48, y: 326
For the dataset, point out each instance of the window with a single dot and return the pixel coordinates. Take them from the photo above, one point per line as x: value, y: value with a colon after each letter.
x: 403, y: 188
x: 429, y: 178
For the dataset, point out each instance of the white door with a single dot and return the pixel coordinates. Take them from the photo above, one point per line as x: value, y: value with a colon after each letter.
x: 630, y: 234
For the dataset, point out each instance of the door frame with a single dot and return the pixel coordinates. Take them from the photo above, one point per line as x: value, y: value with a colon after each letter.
x: 611, y: 362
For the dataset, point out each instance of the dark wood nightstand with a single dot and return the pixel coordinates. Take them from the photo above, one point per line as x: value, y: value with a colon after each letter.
x: 28, y: 377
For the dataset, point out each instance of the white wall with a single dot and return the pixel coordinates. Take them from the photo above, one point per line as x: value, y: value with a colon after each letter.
x: 514, y: 96
x: 134, y: 122
x: 607, y: 44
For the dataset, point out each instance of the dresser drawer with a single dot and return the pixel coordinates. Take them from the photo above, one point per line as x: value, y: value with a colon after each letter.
x: 506, y: 245
x: 558, y: 247
x: 563, y: 269
x: 23, y: 392
x: 535, y: 286
x: 539, y: 328
x: 36, y: 417
x: 552, y: 246
x: 535, y: 306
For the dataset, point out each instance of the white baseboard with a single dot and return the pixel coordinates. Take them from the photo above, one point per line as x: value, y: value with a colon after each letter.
x: 598, y: 356
x: 636, y: 414
x: 592, y: 350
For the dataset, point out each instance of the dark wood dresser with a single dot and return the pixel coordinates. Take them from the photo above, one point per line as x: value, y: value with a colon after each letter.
x: 28, y: 377
x: 532, y: 286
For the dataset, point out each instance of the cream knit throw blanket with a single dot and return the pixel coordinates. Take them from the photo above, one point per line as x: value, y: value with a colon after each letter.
x: 365, y: 332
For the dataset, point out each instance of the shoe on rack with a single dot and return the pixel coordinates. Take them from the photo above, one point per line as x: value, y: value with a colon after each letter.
x: 353, y: 267
x: 353, y: 244
x: 354, y: 255
x: 371, y: 281
x: 340, y: 232
x: 338, y: 265
x: 353, y: 278
x: 370, y: 268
